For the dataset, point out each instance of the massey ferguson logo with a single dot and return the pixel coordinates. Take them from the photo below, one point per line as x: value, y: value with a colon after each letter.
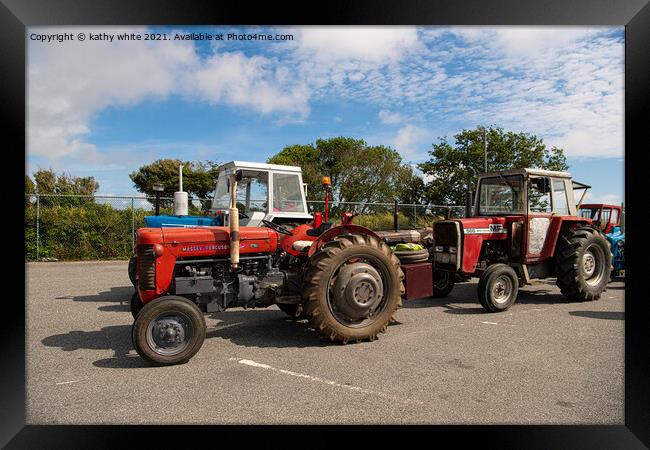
x: 493, y: 228
x: 201, y: 248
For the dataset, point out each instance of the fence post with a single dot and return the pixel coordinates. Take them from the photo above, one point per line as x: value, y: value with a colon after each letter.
x: 38, y: 219
x: 415, y: 216
x: 132, y: 224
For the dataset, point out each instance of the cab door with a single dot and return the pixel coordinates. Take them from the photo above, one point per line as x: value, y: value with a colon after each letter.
x: 538, y: 219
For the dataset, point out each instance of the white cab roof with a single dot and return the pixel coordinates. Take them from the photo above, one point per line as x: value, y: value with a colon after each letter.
x: 538, y: 172
x: 259, y: 166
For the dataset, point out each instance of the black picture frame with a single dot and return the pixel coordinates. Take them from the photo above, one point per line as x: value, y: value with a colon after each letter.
x: 16, y: 15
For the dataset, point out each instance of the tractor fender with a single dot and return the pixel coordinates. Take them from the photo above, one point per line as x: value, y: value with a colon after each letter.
x: 338, y: 231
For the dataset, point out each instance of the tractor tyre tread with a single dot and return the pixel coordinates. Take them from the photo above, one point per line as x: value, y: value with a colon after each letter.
x: 315, y: 299
x: 568, y: 275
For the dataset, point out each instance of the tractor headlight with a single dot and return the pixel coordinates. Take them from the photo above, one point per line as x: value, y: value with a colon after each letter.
x: 439, y: 248
x: 452, y: 250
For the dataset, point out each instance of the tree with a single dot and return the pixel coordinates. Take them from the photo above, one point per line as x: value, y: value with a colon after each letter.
x: 450, y: 164
x: 49, y: 182
x: 199, y: 177
x: 358, y: 172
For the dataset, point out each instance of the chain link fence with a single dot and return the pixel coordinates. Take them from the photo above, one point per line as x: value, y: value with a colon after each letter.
x: 75, y: 227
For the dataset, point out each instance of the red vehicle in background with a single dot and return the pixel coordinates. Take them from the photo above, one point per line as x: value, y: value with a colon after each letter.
x: 604, y: 217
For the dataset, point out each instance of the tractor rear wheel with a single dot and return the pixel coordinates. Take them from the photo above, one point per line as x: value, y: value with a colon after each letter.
x: 498, y: 288
x: 583, y: 264
x: 353, y: 286
x: 168, y: 330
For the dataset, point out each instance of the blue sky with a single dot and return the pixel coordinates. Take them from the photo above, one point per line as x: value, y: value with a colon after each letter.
x: 103, y: 109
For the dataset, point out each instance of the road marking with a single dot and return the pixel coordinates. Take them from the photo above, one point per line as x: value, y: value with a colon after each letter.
x: 217, y: 327
x: 491, y: 323
x: 361, y: 390
x: 68, y: 382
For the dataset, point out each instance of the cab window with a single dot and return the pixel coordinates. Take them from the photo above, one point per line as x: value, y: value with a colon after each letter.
x: 606, y: 213
x: 287, y: 193
x: 501, y: 195
x: 560, y: 205
x: 539, y: 195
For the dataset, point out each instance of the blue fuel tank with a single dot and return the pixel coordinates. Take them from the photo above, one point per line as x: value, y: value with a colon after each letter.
x: 182, y: 221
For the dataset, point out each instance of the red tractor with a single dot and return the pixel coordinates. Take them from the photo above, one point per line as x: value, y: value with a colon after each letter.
x: 525, y: 227
x: 604, y: 217
x: 344, y: 279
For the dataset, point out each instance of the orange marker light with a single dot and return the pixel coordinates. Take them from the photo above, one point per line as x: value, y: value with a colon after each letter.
x: 326, y: 181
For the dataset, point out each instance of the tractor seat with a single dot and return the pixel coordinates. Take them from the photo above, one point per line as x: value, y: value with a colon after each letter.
x: 302, y: 246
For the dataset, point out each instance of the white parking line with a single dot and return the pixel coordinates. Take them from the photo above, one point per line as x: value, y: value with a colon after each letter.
x: 361, y: 390
x: 217, y: 327
x: 68, y: 382
x: 491, y: 323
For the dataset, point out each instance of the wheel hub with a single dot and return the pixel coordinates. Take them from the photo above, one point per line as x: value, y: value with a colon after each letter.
x: 501, y: 289
x: 589, y: 264
x: 594, y: 264
x: 358, y: 289
x: 168, y: 335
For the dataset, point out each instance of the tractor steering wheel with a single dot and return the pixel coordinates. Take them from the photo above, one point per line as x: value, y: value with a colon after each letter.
x: 276, y: 227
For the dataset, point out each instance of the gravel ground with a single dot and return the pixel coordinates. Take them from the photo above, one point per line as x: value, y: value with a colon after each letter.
x: 546, y: 360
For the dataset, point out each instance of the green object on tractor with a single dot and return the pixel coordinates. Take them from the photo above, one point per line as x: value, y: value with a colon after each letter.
x: 407, y: 247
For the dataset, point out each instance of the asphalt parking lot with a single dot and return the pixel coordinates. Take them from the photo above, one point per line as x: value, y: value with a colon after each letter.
x: 546, y: 360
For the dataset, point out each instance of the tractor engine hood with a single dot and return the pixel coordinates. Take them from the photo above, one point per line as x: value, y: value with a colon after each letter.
x: 209, y: 241
x: 484, y: 225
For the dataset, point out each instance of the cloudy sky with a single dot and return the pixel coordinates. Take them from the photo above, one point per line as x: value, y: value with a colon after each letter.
x: 104, y: 108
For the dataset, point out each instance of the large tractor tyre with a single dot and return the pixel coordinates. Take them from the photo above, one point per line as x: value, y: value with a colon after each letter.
x: 413, y: 256
x: 135, y: 305
x: 583, y: 264
x: 498, y: 288
x: 353, y: 286
x: 443, y: 283
x: 168, y: 330
x: 294, y: 310
x: 133, y: 270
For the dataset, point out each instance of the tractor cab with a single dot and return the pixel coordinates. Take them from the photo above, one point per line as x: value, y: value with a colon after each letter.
x: 604, y: 217
x: 269, y: 192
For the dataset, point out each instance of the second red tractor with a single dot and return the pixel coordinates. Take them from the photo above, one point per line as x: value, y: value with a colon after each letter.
x: 525, y: 227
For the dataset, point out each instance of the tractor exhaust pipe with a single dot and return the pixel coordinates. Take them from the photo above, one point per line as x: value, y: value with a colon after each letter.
x: 234, y: 221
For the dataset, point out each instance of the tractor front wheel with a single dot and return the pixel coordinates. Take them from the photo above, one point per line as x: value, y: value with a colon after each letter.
x: 498, y: 288
x: 583, y: 264
x: 443, y: 283
x: 133, y: 269
x: 353, y: 286
x: 168, y: 330
x: 135, y: 305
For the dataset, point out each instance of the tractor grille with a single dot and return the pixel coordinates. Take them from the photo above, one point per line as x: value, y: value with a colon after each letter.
x: 447, y: 251
x: 147, y: 260
x: 446, y: 233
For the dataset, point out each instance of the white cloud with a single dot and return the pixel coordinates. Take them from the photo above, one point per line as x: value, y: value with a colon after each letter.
x: 389, y: 117
x: 412, y: 141
x: 254, y: 82
x: 68, y: 84
x: 369, y: 44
